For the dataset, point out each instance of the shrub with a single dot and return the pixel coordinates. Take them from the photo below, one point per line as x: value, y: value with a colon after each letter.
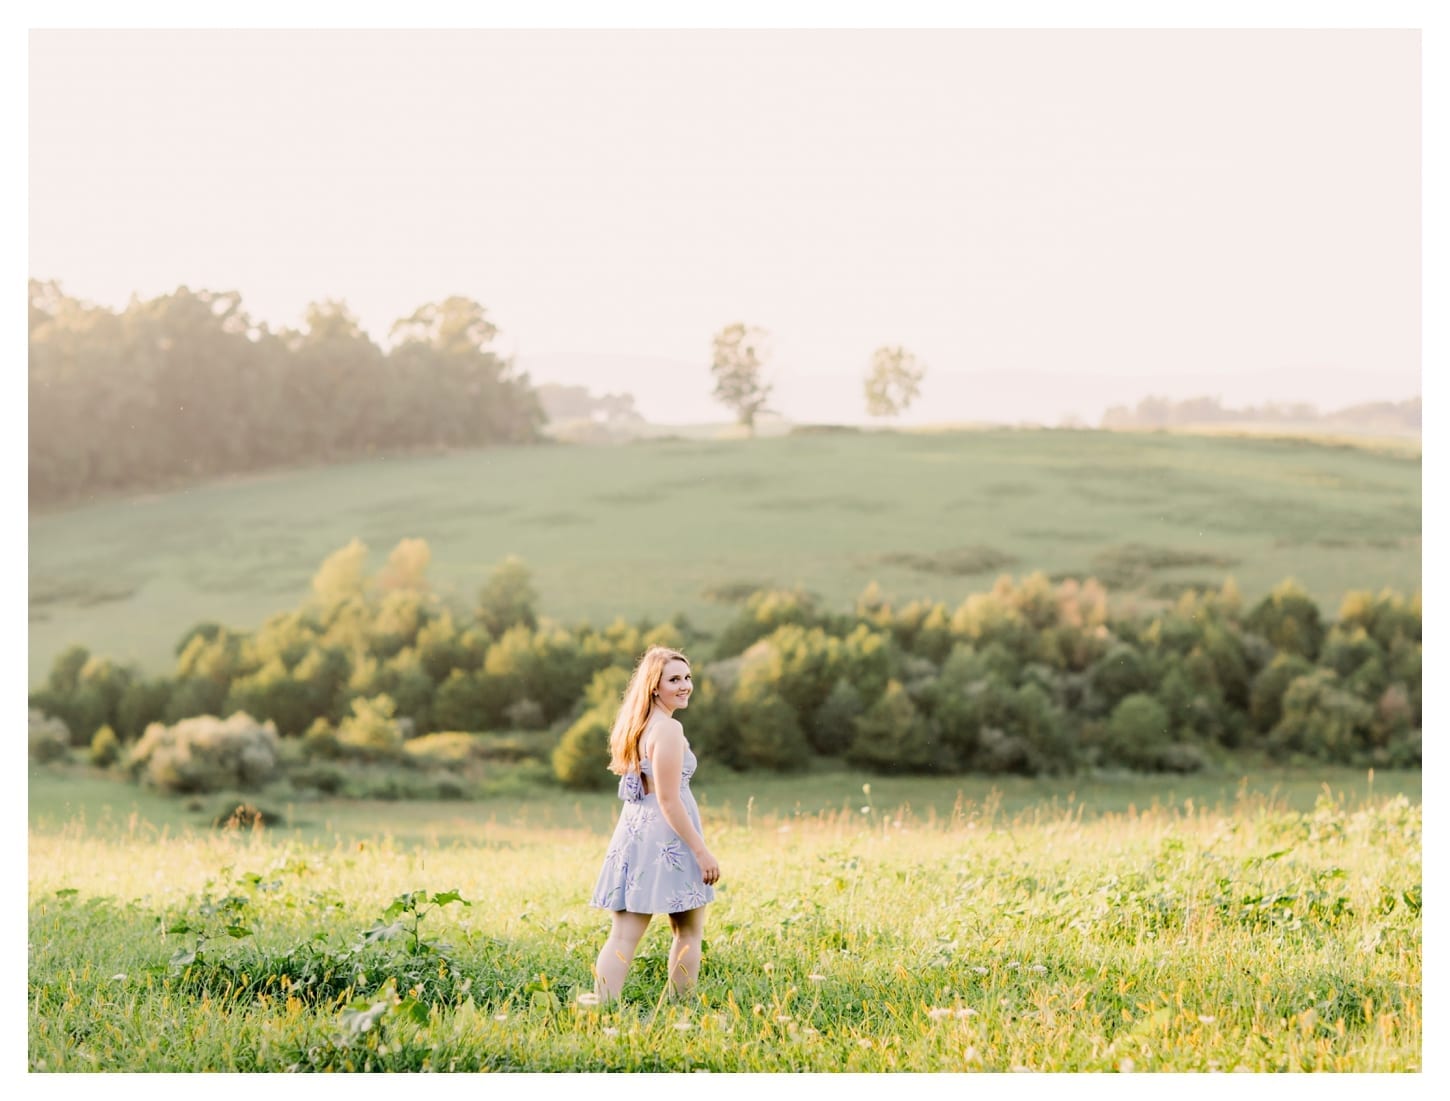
x: 1119, y: 673
x: 524, y: 714
x: 581, y: 759
x: 1136, y: 731
x: 320, y: 743
x: 450, y: 748
x: 105, y: 748
x: 205, y: 753
x: 893, y: 736
x: 1179, y: 757
x: 1322, y: 720
x: 768, y: 730
x: 507, y: 599
x: 1266, y: 696
x: 371, y: 731
x: 49, y: 736
x: 1289, y: 618
x: 833, y: 726
x: 764, y: 612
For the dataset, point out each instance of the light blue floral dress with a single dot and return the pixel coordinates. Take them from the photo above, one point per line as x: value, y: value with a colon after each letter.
x: 648, y: 869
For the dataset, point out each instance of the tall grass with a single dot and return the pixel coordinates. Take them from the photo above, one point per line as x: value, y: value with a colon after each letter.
x: 1248, y: 934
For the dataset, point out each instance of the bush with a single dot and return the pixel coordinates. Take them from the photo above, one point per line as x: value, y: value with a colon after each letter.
x: 1136, y: 731
x: 768, y: 730
x: 893, y: 736
x: 443, y: 748
x: 581, y: 759
x: 1289, y: 618
x: 507, y: 598
x: 1322, y: 720
x: 371, y: 732
x: 1119, y: 673
x: 524, y: 714
x: 1266, y: 696
x: 205, y: 753
x: 834, y: 723
x: 320, y: 743
x: 49, y: 737
x: 105, y: 748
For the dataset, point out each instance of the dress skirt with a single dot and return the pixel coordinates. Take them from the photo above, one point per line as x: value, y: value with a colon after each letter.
x: 648, y: 868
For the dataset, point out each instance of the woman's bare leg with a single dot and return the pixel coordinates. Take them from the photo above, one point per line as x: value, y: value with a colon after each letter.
x: 618, y: 953
x: 689, y: 928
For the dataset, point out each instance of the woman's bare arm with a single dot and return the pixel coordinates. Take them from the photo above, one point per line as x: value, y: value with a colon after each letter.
x: 667, y: 756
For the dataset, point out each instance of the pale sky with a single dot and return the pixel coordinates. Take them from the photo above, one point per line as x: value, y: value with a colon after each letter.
x: 1051, y: 220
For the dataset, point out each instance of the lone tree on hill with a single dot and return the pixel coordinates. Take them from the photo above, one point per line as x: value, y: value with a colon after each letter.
x: 738, y: 365
x: 893, y: 381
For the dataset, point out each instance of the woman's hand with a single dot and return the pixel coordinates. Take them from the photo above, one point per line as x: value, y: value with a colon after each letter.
x: 709, y: 866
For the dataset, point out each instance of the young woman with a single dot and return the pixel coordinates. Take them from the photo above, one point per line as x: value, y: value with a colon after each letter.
x: 657, y: 862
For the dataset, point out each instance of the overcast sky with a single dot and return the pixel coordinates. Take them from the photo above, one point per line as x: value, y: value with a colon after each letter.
x: 1051, y: 220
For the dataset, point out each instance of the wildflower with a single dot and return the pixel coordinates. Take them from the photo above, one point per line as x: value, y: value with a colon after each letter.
x: 862, y: 1041
x: 1041, y: 970
x: 1013, y: 965
x: 1126, y: 1066
x: 965, y: 1012
x: 980, y: 970
x: 119, y: 978
x: 865, y: 810
x: 500, y: 1016
x: 865, y: 789
x: 782, y: 1017
x: 683, y: 1026
x: 588, y: 998
x: 1206, y: 1020
x: 816, y: 978
x: 611, y: 1032
x: 768, y: 968
x: 938, y: 1014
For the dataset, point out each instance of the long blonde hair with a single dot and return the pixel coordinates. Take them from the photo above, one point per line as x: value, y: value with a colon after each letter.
x: 634, y: 712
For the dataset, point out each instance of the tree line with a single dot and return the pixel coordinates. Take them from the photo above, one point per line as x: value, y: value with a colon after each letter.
x: 1028, y: 677
x: 186, y: 386
x: 1160, y: 412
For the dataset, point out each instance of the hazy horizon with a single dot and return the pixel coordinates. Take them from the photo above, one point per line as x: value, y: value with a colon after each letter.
x: 1053, y: 221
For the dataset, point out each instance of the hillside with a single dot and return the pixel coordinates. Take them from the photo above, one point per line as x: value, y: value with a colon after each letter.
x: 655, y: 527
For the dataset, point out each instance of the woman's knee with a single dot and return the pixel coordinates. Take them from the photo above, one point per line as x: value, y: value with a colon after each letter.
x: 689, y: 925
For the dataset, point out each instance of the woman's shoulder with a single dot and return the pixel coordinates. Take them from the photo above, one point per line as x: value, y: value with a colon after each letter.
x: 663, y: 730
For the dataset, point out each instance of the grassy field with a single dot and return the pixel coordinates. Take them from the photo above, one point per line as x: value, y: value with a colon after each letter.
x: 1267, y: 923
x: 655, y: 527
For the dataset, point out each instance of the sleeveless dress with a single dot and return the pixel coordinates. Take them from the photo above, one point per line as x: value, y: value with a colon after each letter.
x: 648, y: 869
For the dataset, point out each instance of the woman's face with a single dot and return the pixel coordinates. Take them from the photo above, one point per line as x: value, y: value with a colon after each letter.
x: 675, y: 684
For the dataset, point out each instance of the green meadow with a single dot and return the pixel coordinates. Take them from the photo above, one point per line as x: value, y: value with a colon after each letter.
x: 1264, y: 923
x: 655, y: 527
